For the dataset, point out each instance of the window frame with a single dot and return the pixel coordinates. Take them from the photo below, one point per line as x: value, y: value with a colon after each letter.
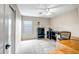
x: 23, y: 31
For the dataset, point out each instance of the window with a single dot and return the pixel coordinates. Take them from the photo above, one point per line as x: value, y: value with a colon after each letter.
x: 27, y: 25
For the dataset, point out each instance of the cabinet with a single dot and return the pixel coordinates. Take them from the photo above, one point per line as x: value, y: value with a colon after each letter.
x: 51, y: 35
x: 41, y: 33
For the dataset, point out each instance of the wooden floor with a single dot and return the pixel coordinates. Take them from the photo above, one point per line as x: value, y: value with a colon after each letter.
x: 67, y: 47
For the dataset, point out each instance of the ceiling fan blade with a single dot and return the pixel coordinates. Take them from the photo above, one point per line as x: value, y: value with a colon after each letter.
x: 57, y: 6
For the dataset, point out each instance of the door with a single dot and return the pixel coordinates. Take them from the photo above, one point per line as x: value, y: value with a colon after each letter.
x: 1, y: 29
x: 9, y: 29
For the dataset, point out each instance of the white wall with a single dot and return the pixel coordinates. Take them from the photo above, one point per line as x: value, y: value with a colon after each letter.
x: 67, y: 22
x: 44, y: 22
x: 18, y: 27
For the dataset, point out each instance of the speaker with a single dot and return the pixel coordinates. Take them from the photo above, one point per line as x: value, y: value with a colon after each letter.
x: 41, y: 32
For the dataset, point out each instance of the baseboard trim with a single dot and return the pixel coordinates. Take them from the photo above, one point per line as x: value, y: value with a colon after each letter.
x: 75, y: 37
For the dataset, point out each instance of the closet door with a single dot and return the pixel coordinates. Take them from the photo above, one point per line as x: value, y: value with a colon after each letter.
x: 7, y: 29
x: 9, y: 26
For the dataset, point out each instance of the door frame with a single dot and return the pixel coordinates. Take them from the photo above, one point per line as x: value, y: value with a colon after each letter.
x: 14, y: 11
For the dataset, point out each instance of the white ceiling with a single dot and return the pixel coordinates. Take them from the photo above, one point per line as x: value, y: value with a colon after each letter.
x: 35, y: 9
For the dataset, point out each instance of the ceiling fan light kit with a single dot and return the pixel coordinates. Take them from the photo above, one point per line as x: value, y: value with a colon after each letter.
x: 46, y: 12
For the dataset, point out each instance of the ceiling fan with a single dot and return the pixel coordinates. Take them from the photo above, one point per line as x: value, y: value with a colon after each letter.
x: 50, y: 10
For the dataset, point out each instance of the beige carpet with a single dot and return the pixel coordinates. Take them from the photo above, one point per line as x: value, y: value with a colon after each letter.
x: 35, y: 46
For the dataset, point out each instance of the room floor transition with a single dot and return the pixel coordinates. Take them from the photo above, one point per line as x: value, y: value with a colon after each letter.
x: 70, y: 46
x: 45, y: 46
